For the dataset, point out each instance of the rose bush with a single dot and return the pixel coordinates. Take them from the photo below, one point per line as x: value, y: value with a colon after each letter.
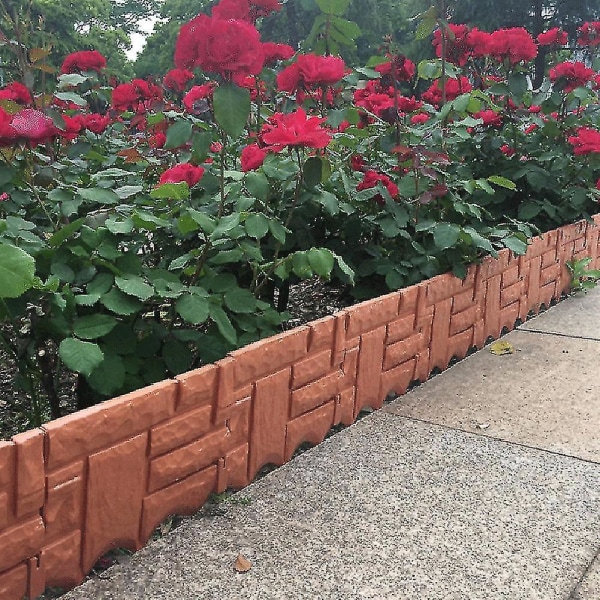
x: 148, y: 228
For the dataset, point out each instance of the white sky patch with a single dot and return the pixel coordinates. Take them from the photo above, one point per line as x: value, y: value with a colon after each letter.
x: 138, y: 40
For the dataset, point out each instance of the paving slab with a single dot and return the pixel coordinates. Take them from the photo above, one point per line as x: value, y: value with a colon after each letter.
x: 589, y: 588
x: 390, y: 508
x: 546, y: 394
x: 577, y: 316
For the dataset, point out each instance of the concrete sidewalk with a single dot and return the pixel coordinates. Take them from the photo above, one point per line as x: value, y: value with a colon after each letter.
x: 483, y: 483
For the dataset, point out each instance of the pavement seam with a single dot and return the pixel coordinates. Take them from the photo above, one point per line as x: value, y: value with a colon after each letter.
x: 491, y: 437
x: 556, y: 333
x: 572, y: 595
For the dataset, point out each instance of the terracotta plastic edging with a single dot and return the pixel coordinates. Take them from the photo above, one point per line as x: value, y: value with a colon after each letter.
x: 106, y: 476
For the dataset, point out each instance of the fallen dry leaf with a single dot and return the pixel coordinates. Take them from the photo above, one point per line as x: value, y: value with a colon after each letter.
x: 500, y: 348
x: 242, y: 564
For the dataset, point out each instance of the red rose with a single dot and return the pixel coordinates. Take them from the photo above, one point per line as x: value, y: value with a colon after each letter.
x: 458, y: 46
x: 182, y: 172
x: 589, y: 34
x: 85, y: 60
x: 73, y: 125
x: 177, y: 79
x: 274, y: 52
x: 288, y: 79
x: 419, y: 118
x: 252, y: 157
x: 16, y: 92
x: 571, y: 75
x: 230, y: 48
x: 490, y: 118
x: 195, y: 101
x: 514, y: 44
x: 295, y: 129
x: 371, y: 179
x: 454, y: 88
x: 318, y: 70
x: 7, y: 133
x: 33, y: 125
x: 96, y: 123
x: 138, y: 95
x: 585, y: 141
x: 553, y: 37
x: 598, y: 184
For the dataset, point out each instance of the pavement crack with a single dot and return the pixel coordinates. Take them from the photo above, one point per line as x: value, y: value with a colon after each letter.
x: 558, y: 334
x: 574, y: 595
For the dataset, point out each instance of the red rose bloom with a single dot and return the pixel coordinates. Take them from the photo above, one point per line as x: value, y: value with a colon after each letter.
x: 245, y: 10
x: 371, y: 179
x: 585, y: 141
x: 295, y: 129
x: 85, y: 60
x: 288, y: 79
x: 419, y: 119
x: 73, y: 125
x: 589, y: 34
x: 454, y: 88
x: 177, y: 79
x: 571, y: 75
x: 399, y: 68
x: 318, y: 70
x: 33, y: 125
x: 458, y: 47
x: 490, y: 118
x: 96, y: 123
x: 16, y: 92
x: 407, y: 105
x: 196, y: 100
x: 252, y: 157
x: 228, y: 47
x: 137, y: 95
x: 274, y: 52
x: 7, y: 133
x: 553, y: 37
x: 182, y: 172
x: 514, y: 44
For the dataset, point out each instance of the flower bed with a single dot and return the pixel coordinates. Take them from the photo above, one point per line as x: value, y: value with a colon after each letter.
x: 107, y: 476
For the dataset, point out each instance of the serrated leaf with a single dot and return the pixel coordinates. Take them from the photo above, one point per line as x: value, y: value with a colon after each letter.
x: 109, y: 377
x: 79, y: 356
x: 177, y: 356
x: 178, y: 134
x: 502, y: 182
x: 171, y: 191
x: 221, y: 320
x: 321, y: 261
x: 445, y: 235
x: 91, y: 327
x: 99, y: 195
x: 134, y: 285
x: 257, y: 226
x: 232, y: 108
x: 193, y: 309
x: 239, y: 300
x: 17, y: 271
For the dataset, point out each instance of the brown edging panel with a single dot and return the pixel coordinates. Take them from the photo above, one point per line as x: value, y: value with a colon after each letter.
x: 106, y: 476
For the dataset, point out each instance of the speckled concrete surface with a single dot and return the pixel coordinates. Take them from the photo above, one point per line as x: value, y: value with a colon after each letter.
x: 546, y: 394
x: 390, y: 508
x: 576, y: 316
x: 589, y: 588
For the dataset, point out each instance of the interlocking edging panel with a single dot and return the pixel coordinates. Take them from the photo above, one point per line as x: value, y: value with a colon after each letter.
x: 107, y: 476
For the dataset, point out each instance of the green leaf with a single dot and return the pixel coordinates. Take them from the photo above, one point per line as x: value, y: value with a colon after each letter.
x: 192, y: 308
x: 17, y: 271
x: 225, y: 225
x: 333, y: 7
x: 232, y: 108
x: 118, y: 225
x: 207, y: 223
x: 257, y: 185
x: 502, y: 182
x: 178, y: 134
x: 171, y: 191
x: 515, y: 244
x: 312, y: 171
x: 177, y: 356
x: 81, y: 357
x: 91, y: 327
x: 133, y: 285
x: 445, y: 235
x: 226, y: 329
x: 239, y: 300
x: 301, y: 265
x: 257, y: 226
x: 71, y: 97
x: 321, y: 261
x: 99, y: 195
x: 108, y: 378
x: 64, y: 232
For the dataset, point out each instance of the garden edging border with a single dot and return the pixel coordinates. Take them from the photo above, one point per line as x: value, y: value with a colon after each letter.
x: 106, y: 476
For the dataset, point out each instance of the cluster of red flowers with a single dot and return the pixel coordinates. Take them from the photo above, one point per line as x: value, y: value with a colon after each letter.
x: 512, y: 45
x: 553, y: 37
x: 310, y: 71
x: 227, y: 42
x: 454, y: 88
x: 16, y: 92
x: 138, y: 96
x: 589, y: 34
x: 83, y: 61
x: 585, y: 141
x: 182, y: 172
x: 370, y: 180
x: 571, y: 75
